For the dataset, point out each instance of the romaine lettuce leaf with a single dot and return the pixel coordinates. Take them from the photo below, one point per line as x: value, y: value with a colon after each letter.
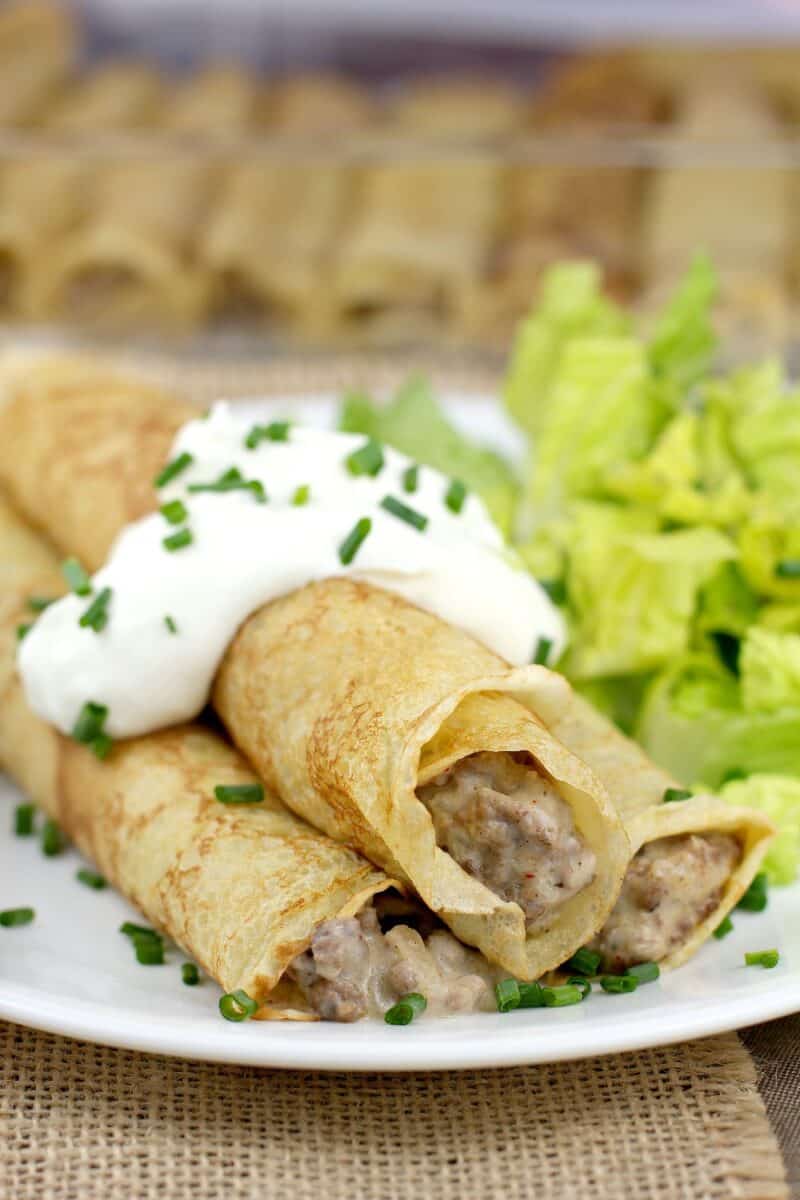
x: 683, y: 343
x: 769, y: 665
x: 779, y: 797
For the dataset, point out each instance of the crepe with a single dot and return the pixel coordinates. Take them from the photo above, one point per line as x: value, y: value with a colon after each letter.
x: 240, y: 889
x: 334, y: 691
x: 37, y: 51
x: 131, y: 259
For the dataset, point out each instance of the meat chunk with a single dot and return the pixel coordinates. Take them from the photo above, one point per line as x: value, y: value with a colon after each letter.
x: 671, y: 886
x: 334, y: 971
x: 506, y: 825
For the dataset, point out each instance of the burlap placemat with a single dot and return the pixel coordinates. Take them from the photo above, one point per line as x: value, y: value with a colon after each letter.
x: 82, y: 1122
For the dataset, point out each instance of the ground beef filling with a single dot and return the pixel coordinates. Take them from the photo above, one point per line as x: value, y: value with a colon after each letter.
x: 506, y: 825
x: 671, y: 886
x: 352, y: 969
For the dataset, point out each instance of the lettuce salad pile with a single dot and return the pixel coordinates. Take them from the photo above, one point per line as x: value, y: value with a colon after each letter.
x: 659, y: 504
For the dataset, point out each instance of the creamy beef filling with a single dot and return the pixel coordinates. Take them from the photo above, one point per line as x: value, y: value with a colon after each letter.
x: 671, y: 886
x: 354, y: 969
x: 507, y: 825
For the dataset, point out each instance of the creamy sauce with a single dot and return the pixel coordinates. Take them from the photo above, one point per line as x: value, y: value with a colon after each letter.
x: 244, y: 553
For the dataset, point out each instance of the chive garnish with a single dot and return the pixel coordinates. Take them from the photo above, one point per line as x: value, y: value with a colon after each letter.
x: 174, y: 512
x: 24, y: 815
x: 96, y: 615
x: 177, y: 541
x: 40, y: 603
x: 531, y: 995
x: 23, y: 631
x: 644, y: 972
x: 302, y: 495
x: 411, y: 479
x: 507, y: 994
x: 170, y: 624
x: 542, y: 651
x: 673, y: 794
x: 148, y: 945
x: 237, y: 1006
x: 755, y: 898
x: 762, y: 958
x: 584, y: 961
x: 52, y: 839
x: 91, y: 879
x: 101, y: 746
x: 240, y: 793
x: 173, y: 469
x: 556, y: 589
x: 582, y: 983
x: 723, y: 929
x: 406, y: 1009
x: 16, y: 916
x: 619, y: 983
x: 88, y: 729
x: 455, y: 496
x: 788, y: 568
x: 190, y: 974
x: 367, y: 460
x: 130, y: 929
x: 409, y: 515
x: 77, y: 579
x: 350, y: 546
x: 276, y: 431
x: 560, y: 997
x: 232, y: 480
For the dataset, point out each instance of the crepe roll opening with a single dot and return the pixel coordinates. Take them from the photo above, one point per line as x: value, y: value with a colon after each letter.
x: 505, y: 822
x: 671, y: 886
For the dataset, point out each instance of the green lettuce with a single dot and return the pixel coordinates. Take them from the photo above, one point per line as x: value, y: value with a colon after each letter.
x: 770, y: 670
x: 765, y: 431
x: 413, y: 422
x: 683, y: 343
x: 779, y: 797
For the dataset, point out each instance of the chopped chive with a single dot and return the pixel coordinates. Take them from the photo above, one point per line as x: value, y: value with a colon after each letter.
x: 302, y: 495
x: 91, y: 879
x: 755, y: 898
x: 40, y: 603
x: 175, y: 512
x: 531, y: 995
x: 89, y: 724
x: 584, y: 961
x: 23, y: 631
x: 149, y: 952
x: 560, y: 997
x: 24, y: 815
x: 723, y: 929
x: 232, y: 480
x: 644, y: 972
x: 170, y: 624
x: 542, y: 652
x: 16, y: 916
x: 788, y: 568
x: 762, y: 958
x: 256, y: 435
x: 582, y: 983
x: 455, y: 496
x: 101, y: 746
x: 367, y: 460
x: 190, y: 974
x: 619, y: 983
x: 96, y: 615
x: 411, y: 479
x: 173, y: 469
x: 177, y: 541
x: 239, y: 793
x: 407, y: 1007
x: 77, y: 579
x: 276, y: 431
x: 350, y: 546
x: 237, y: 1006
x: 409, y: 515
x: 52, y: 839
x: 673, y: 794
x: 130, y: 929
x: 556, y: 589
x: 507, y: 993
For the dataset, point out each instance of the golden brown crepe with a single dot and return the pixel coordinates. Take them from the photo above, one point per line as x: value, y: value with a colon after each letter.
x: 333, y: 691
x: 37, y: 50
x: 240, y: 889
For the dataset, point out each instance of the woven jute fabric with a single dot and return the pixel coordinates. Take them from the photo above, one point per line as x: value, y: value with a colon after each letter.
x: 83, y: 1122
x: 776, y: 1050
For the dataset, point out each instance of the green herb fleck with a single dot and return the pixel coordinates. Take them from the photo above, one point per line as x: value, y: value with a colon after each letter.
x: 404, y: 513
x: 351, y: 544
x: 16, y: 916
x: 24, y: 817
x: 175, y: 512
x: 91, y: 879
x: 77, y: 579
x: 367, y: 460
x: 173, y: 469
x: 177, y: 541
x: 302, y: 495
x: 96, y: 615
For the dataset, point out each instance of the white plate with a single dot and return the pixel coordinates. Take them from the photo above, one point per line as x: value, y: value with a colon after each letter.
x: 72, y: 972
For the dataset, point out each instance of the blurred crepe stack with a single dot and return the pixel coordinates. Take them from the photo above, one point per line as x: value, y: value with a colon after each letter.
x: 37, y: 51
x: 423, y: 225
x: 739, y: 215
x: 43, y: 197
x: 242, y: 890
x: 131, y: 259
x: 346, y: 698
x: 270, y: 242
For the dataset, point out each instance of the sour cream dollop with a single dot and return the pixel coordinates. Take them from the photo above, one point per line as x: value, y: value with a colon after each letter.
x: 172, y: 614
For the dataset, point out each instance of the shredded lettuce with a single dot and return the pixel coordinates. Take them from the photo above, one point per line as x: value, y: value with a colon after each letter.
x: 770, y: 670
x: 779, y: 797
x: 683, y: 343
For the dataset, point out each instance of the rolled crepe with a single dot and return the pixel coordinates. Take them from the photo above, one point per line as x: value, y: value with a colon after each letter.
x: 242, y: 890
x: 334, y: 691
x: 131, y: 260
x: 37, y: 51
